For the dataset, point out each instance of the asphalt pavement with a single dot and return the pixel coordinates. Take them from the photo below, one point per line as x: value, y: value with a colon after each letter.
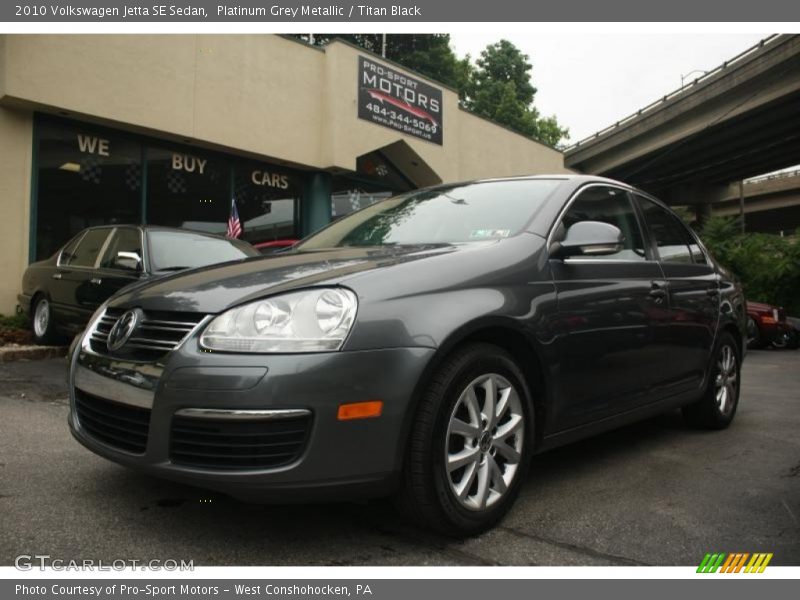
x: 654, y: 493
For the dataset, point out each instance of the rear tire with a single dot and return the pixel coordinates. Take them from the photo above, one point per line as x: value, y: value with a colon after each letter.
x: 469, y: 447
x: 786, y: 341
x: 793, y: 341
x: 717, y: 407
x: 753, y: 335
x: 43, y: 325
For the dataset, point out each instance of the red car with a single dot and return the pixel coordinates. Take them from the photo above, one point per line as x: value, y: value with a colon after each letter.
x: 767, y: 325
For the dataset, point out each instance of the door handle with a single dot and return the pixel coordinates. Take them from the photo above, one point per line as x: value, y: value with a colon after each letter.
x: 57, y: 275
x: 95, y: 281
x: 657, y: 292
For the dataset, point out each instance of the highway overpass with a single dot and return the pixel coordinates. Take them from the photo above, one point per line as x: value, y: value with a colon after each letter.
x: 771, y: 203
x: 738, y: 121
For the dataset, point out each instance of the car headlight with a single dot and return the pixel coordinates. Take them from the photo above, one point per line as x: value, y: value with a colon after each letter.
x: 313, y: 320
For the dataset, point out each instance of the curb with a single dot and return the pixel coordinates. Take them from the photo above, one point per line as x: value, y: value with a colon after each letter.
x: 15, y: 353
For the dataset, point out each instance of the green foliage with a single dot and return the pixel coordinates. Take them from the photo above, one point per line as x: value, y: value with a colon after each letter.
x: 503, y: 63
x: 15, y: 321
x: 498, y: 87
x: 767, y: 265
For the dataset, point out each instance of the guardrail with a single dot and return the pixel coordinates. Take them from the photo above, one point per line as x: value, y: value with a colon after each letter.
x: 770, y: 176
x: 681, y: 90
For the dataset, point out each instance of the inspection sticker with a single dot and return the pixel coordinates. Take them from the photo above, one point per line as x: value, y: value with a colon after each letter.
x: 481, y: 234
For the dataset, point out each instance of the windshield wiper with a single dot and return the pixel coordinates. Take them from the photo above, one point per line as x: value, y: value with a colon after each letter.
x: 174, y: 268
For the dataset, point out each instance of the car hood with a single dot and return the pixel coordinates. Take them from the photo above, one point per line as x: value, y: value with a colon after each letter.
x: 215, y: 288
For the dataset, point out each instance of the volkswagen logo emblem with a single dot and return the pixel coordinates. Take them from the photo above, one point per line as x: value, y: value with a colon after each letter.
x: 123, y: 329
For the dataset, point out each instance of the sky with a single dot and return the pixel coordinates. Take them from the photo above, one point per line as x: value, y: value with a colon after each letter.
x: 590, y: 81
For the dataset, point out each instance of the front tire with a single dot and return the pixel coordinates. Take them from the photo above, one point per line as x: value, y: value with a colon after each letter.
x: 470, y: 443
x: 42, y: 323
x: 717, y: 407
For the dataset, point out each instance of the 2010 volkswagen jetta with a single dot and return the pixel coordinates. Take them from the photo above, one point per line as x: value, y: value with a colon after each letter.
x: 425, y: 346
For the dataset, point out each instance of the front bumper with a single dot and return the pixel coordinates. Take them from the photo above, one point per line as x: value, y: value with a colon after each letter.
x: 356, y: 458
x: 24, y: 302
x: 774, y: 332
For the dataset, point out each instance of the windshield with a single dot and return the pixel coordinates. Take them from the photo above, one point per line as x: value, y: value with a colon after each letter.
x: 174, y: 250
x: 444, y: 215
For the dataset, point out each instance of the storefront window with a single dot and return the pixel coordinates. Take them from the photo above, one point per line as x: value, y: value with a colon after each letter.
x: 86, y: 177
x: 376, y: 179
x: 188, y: 190
x: 267, y: 198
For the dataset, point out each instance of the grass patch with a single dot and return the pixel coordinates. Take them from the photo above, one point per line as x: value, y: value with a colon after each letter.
x: 16, y: 321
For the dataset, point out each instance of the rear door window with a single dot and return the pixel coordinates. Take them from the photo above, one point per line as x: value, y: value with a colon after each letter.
x: 675, y: 243
x: 68, y: 252
x: 89, y: 247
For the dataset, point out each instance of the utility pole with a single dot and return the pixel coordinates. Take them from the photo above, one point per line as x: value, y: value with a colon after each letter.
x: 690, y: 73
x: 741, y: 203
x: 383, y: 45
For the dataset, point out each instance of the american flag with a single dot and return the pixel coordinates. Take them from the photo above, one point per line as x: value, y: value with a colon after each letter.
x: 234, y: 225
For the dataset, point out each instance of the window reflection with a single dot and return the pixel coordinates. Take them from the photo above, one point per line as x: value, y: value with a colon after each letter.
x: 86, y: 176
x: 188, y: 190
x: 267, y: 199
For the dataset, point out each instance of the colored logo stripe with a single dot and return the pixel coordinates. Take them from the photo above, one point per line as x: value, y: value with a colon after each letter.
x: 711, y: 563
x: 758, y: 563
x: 734, y: 562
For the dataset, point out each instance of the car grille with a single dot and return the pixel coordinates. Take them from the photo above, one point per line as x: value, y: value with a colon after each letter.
x: 158, y: 333
x: 118, y: 425
x: 231, y: 444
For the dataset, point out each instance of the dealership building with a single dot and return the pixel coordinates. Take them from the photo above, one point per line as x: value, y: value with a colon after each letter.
x: 169, y: 129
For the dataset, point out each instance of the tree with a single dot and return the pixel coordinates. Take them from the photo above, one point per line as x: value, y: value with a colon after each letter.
x: 767, y: 265
x: 500, y: 89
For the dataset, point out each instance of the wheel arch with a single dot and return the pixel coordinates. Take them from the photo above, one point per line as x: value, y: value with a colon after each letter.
x: 505, y: 334
x: 38, y: 293
x: 733, y: 329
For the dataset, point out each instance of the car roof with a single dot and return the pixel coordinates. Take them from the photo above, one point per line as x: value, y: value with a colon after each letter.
x: 572, y: 182
x: 159, y: 228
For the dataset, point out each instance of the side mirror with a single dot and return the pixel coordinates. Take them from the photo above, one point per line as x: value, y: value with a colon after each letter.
x: 589, y: 238
x: 129, y: 260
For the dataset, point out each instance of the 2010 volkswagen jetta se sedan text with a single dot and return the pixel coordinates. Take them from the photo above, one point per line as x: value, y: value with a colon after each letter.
x: 423, y: 347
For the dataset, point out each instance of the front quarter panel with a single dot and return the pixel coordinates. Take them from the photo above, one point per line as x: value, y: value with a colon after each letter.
x: 423, y: 305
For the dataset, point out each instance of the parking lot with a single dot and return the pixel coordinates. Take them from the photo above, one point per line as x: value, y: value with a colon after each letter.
x: 655, y: 493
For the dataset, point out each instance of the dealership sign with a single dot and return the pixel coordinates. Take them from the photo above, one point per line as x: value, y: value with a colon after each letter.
x: 393, y: 99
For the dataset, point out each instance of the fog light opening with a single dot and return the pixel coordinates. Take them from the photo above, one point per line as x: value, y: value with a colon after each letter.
x: 360, y: 410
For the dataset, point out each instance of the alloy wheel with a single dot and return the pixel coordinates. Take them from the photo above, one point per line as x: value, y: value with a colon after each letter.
x: 484, y: 441
x: 727, y: 379
x: 41, y: 318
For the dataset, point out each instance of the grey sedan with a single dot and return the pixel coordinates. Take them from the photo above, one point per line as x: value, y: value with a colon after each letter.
x: 424, y: 347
